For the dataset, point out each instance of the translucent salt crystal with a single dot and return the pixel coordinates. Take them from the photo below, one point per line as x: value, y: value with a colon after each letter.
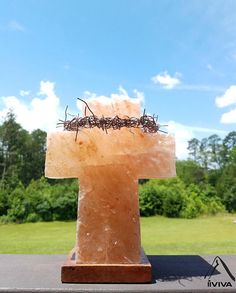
x: 108, y: 166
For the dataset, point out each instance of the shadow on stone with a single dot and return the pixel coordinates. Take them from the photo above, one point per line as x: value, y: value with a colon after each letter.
x: 177, y: 267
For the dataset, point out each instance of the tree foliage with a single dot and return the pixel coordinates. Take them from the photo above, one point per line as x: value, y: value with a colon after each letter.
x: 216, y: 158
x: 206, y: 182
x: 22, y: 154
x: 176, y: 199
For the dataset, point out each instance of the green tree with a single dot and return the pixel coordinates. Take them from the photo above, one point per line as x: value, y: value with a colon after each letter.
x: 64, y: 201
x: 34, y: 156
x: 226, y: 185
x: 190, y: 172
x: 174, y: 201
x: 194, y: 149
x: 151, y: 198
x: 38, y: 194
x: 22, y: 154
x: 229, y: 142
x: 13, y: 142
x: 215, y: 149
x: 19, y: 205
x: 204, y: 153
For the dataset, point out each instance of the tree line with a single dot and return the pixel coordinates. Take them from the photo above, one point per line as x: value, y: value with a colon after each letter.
x: 205, y: 183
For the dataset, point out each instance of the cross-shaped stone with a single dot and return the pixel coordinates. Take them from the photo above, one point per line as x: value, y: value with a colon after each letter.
x: 108, y: 166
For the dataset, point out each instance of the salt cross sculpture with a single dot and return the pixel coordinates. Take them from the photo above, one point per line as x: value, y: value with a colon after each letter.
x: 108, y: 165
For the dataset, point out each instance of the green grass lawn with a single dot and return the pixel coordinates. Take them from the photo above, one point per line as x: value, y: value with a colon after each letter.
x: 160, y: 235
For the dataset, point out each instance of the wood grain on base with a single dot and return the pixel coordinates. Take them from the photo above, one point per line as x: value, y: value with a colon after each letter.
x: 106, y: 273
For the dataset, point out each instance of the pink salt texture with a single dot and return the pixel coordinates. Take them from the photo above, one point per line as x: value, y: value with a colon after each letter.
x: 108, y: 166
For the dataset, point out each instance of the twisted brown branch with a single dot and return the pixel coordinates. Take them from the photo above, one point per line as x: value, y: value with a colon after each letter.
x: 146, y: 122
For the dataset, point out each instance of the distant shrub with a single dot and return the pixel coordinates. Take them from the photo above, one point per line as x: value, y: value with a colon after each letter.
x: 150, y: 199
x: 64, y: 203
x: 215, y: 206
x: 39, y: 201
x: 42, y: 201
x: 229, y: 199
x: 4, y: 204
x: 38, y: 193
x: 18, y: 205
x: 173, y: 203
x: 163, y: 197
x: 173, y: 199
x: 5, y: 219
x: 33, y: 217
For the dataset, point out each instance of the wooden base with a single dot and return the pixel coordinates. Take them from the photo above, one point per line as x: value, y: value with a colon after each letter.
x: 106, y: 273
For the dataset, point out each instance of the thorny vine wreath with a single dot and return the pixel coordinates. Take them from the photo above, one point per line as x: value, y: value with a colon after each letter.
x: 146, y: 122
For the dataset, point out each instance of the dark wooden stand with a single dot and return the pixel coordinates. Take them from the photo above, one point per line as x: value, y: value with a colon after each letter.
x: 106, y: 273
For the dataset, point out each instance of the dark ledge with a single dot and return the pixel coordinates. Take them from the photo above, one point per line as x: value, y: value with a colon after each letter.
x: 41, y: 273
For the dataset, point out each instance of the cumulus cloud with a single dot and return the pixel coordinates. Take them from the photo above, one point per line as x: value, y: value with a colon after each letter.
x: 184, y: 133
x: 229, y: 117
x: 228, y: 99
x: 122, y: 94
x: 167, y: 81
x: 42, y: 111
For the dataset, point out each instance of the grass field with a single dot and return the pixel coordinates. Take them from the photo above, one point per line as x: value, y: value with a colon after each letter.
x: 160, y: 235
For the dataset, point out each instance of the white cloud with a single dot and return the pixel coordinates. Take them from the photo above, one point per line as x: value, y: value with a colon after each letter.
x: 121, y: 95
x: 24, y: 93
x: 167, y: 81
x: 229, y: 117
x: 16, y: 26
x: 139, y: 95
x: 42, y: 112
x: 183, y: 133
x: 228, y: 99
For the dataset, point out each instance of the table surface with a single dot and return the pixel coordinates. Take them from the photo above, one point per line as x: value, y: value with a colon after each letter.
x: 191, y: 273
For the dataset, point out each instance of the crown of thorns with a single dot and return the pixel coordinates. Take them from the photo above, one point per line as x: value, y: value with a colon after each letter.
x: 147, y: 123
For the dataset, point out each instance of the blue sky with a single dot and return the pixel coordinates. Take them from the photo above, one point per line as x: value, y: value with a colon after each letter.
x: 181, y: 55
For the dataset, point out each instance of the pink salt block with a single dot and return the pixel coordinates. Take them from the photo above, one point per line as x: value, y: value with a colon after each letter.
x: 108, y: 167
